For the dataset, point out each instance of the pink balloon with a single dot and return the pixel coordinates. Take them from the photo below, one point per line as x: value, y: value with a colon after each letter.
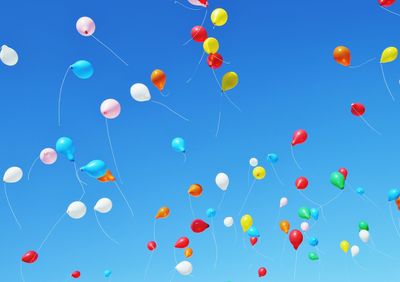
x: 110, y: 108
x: 48, y: 156
x: 85, y: 26
x: 305, y: 226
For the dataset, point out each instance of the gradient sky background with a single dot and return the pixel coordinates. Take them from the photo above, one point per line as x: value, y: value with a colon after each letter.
x: 282, y: 51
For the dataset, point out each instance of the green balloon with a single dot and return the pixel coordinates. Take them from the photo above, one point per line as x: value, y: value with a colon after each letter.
x: 304, y: 213
x: 313, y: 256
x: 337, y: 179
x: 363, y: 225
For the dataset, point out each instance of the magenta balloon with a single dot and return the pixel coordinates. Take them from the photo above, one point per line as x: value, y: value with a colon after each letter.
x: 85, y: 26
x: 48, y: 156
x: 110, y: 108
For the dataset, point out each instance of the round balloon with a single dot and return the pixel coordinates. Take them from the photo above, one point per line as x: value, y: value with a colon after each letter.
x: 259, y: 172
x: 82, y: 69
x: 284, y: 225
x: 272, y: 158
x: 13, y: 175
x: 262, y: 271
x: 8, y: 56
x: 389, y: 55
x: 151, y: 246
x: 246, y: 222
x: 140, y: 92
x: 342, y: 55
x: 76, y: 210
x: 222, y: 181
x: 215, y: 61
x: 228, y: 221
x: 211, y: 45
x: 48, y: 156
x: 301, y: 183
x: 199, y: 33
x: 357, y: 109
x: 253, y: 162
x: 110, y: 108
x: 104, y: 205
x: 229, y: 81
x: 85, y: 26
x: 188, y: 252
x: 163, y: 212
x: 195, y: 190
x: 211, y: 212
x: 184, y: 268
x: 178, y: 144
x: 158, y: 78
x: 219, y: 17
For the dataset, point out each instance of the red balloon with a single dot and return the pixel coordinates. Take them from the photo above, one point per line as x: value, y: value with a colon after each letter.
x: 204, y: 2
x: 344, y: 172
x: 262, y: 271
x: 199, y: 33
x: 301, y: 183
x: 253, y: 240
x: 30, y: 257
x: 151, y: 245
x: 299, y: 136
x: 296, y: 238
x: 76, y: 274
x: 199, y: 226
x: 386, y: 3
x: 215, y: 60
x: 357, y: 109
x: 182, y: 243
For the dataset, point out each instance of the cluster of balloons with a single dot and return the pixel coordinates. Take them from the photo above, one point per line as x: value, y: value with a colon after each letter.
x: 306, y: 213
x: 338, y: 178
x: 8, y: 56
x: 77, y: 209
x: 183, y: 243
x: 98, y: 169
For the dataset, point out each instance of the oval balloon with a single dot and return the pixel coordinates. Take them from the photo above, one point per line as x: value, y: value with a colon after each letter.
x: 76, y: 210
x: 211, y: 212
x: 219, y: 17
x: 304, y: 226
x: 199, y: 226
x: 342, y: 56
x: 8, y: 56
x: 296, y: 238
x: 284, y: 225
x: 178, y: 144
x: 393, y: 194
x: 301, y: 183
x: 313, y: 241
x: 386, y: 3
x: 85, y: 26
x: 337, y: 179
x: 182, y: 243
x: 283, y: 202
x: 195, y: 190
x: 253, y: 162
x: 364, y: 235
x: 314, y: 213
x: 202, y: 3
x: 228, y: 221
x: 110, y: 108
x: 360, y: 191
x: 357, y: 109
x: 211, y: 45
x: 188, y: 252
x: 304, y: 213
x: 253, y: 232
x: 76, y: 274
x: 82, y: 69
x: 300, y: 136
x: 140, y: 92
x: 199, y: 33
x: 355, y: 250
x: 229, y: 81
x: 65, y: 146
x: 163, y: 212
x: 151, y: 246
x: 389, y: 55
x: 158, y: 78
x: 222, y: 181
x: 259, y: 173
x: 215, y: 61
x: 184, y: 268
x: 13, y: 175
x: 30, y: 257
x: 95, y: 168
x: 272, y: 158
x: 107, y: 273
x: 48, y: 156
x: 345, y: 246
x: 363, y: 225
x: 104, y: 205
x: 246, y: 222
x: 262, y: 271
x: 313, y: 256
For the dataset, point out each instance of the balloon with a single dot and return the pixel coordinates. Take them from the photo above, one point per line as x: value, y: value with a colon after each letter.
x: 296, y: 238
x: 389, y: 55
x: 345, y: 246
x: 13, y: 175
x: 342, y: 55
x: 357, y: 109
x: 107, y: 273
x: 182, y: 243
x: 199, y: 226
x: 76, y: 274
x: 104, y: 205
x: 184, y: 268
x: 337, y: 179
x: 211, y: 212
x: 211, y: 45
x: 253, y: 162
x: 222, y: 181
x: 304, y: 226
x: 253, y: 240
x: 364, y: 235
x: 140, y: 92
x: 199, y: 34
x: 159, y: 79
x: 202, y: 3
x: 215, y: 61
x: 355, y: 250
x: 82, y: 69
x: 195, y: 190
x: 30, y: 257
x: 178, y: 144
x: 301, y: 183
x: 313, y: 256
x: 343, y: 171
x: 8, y: 56
x: 272, y: 158
x: 188, y: 252
x: 304, y: 213
x: 110, y: 108
x: 283, y: 202
x: 95, y: 168
x: 76, y: 210
x: 363, y: 225
x: 313, y: 241
x: 246, y: 221
x: 228, y: 221
x: 229, y: 81
x: 108, y: 177
x: 48, y: 156
x: 163, y: 212
x: 85, y: 26
x: 259, y: 173
x: 360, y: 191
x: 398, y: 203
x: 219, y: 17
x: 151, y: 246
x: 314, y: 213
x: 262, y: 271
x: 253, y: 232
x: 393, y: 194
x: 299, y: 136
x: 386, y: 3
x: 284, y: 225
x: 65, y: 146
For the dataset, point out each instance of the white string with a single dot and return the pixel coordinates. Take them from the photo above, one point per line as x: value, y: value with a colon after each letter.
x: 171, y: 110
x: 186, y: 7
x: 393, y: 221
x: 148, y: 266
x: 370, y: 126
x: 59, y: 95
x: 246, y: 198
x: 221, y: 201
x: 184, y: 157
x: 112, y: 151
x: 21, y: 272
x: 10, y: 207
x: 295, y: 267
x: 176, y: 261
x: 387, y: 86
x: 231, y: 101
x: 219, y: 117
x: 277, y: 175
x: 362, y: 64
x: 196, y: 68
x: 102, y: 229
x: 215, y: 243
x: 191, y: 39
x: 261, y: 254
x: 191, y: 207
x: 81, y: 183
x: 123, y: 196
x: 51, y: 231
x: 30, y: 169
x: 387, y: 10
x: 294, y: 159
x: 109, y: 49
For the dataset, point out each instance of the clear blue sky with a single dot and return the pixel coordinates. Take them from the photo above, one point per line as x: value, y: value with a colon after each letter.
x: 282, y: 51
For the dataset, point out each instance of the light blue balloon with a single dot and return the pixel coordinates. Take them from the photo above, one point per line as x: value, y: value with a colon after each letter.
x: 272, y: 158
x: 82, y: 69
x: 107, y: 273
x: 313, y: 241
x: 393, y: 194
x: 253, y: 232
x: 360, y: 191
x: 178, y: 144
x: 211, y: 212
x: 95, y: 169
x: 314, y: 213
x: 65, y: 146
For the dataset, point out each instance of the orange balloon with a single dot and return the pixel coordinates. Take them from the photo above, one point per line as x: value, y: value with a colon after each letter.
x: 195, y: 190
x: 398, y: 203
x: 188, y: 252
x: 163, y: 212
x: 159, y: 79
x: 108, y: 177
x: 342, y: 55
x: 285, y: 226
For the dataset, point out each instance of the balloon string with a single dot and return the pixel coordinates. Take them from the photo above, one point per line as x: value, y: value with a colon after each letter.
x: 191, y: 207
x: 393, y: 221
x: 233, y: 103
x: 294, y: 158
x: 283, y: 250
x: 248, y: 175
x: 51, y: 231
x: 236, y: 233
x: 176, y: 261
x: 186, y: 7
x: 277, y: 175
x: 184, y: 157
x: 60, y: 94
x: 380, y: 252
x: 172, y: 277
x: 102, y: 229
x: 81, y: 183
x: 393, y: 13
x: 216, y: 79
x: 219, y: 117
x: 370, y: 126
x: 261, y: 254
x: 112, y: 151
x: 295, y: 267
x: 164, y: 95
x: 215, y: 243
x: 21, y: 272
x: 202, y: 22
x: 169, y: 109
x: 109, y: 49
x: 196, y: 69
x: 246, y: 198
x: 386, y: 84
x: 148, y: 266
x: 221, y: 201
x: 371, y: 201
x: 123, y: 196
x: 32, y: 165
x: 154, y: 230
x: 362, y: 64
x: 10, y: 207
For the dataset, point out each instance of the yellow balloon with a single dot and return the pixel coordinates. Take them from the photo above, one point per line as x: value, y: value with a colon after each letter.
x: 211, y: 45
x: 219, y: 17
x: 389, y: 55
x: 345, y: 246
x: 259, y: 172
x: 246, y: 221
x: 229, y: 81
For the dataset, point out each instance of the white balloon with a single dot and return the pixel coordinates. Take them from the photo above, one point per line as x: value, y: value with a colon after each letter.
x: 140, y: 92
x: 222, y: 181
x: 196, y: 3
x: 104, y: 205
x: 184, y: 268
x: 364, y: 236
x: 283, y: 202
x: 304, y: 226
x: 355, y: 250
x: 76, y: 210
x: 13, y: 175
x: 228, y: 221
x: 8, y: 56
x: 253, y: 162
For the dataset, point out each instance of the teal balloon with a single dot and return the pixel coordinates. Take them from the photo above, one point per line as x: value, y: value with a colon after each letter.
x: 107, y: 273
x: 211, y: 212
x: 178, y: 144
x: 313, y: 256
x: 95, y: 169
x: 253, y: 232
x: 82, y: 69
x: 360, y: 191
x: 65, y: 147
x: 337, y: 179
x: 304, y: 213
x: 313, y: 241
x: 393, y: 194
x: 272, y: 158
x: 314, y: 213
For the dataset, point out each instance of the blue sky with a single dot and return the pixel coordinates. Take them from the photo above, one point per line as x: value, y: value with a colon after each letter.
x: 282, y: 52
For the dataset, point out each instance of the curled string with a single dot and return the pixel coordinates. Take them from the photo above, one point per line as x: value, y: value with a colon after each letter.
x: 215, y: 243
x: 109, y: 49
x: 112, y: 151
x: 294, y: 158
x: 202, y: 23
x: 362, y: 64
x: 186, y: 7
x: 391, y: 12
x: 386, y: 84
x: 125, y: 199
x: 164, y: 95
x: 246, y: 198
x: 60, y: 94
x: 196, y: 68
x: 104, y: 232
x: 30, y: 169
x: 81, y: 183
x: 171, y: 110
x: 10, y: 207
x: 277, y: 175
x: 184, y: 157
x: 51, y: 231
